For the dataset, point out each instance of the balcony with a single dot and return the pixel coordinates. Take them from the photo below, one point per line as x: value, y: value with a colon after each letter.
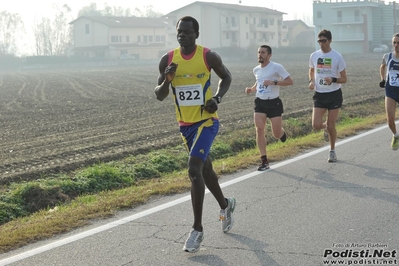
x: 346, y: 37
x: 258, y: 27
x: 230, y: 42
x: 347, y: 21
x: 229, y: 27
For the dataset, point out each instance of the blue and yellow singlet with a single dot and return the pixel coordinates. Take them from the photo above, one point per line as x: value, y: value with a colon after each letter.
x: 191, y: 86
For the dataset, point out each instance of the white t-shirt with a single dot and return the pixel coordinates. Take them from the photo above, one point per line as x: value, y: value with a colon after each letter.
x: 273, y: 71
x: 326, y: 65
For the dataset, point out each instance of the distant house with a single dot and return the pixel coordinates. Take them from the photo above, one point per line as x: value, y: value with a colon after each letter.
x: 299, y: 33
x: 221, y: 26
x: 118, y: 37
x: 231, y: 25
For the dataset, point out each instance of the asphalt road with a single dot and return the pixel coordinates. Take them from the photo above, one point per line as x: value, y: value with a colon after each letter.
x: 303, y: 211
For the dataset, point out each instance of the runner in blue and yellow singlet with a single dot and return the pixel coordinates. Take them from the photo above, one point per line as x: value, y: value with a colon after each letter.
x: 191, y: 86
x: 187, y: 72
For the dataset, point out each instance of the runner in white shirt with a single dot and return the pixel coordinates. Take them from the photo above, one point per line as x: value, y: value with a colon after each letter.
x: 269, y: 77
x: 326, y: 74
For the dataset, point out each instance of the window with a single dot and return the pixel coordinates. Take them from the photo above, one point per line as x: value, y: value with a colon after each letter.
x: 145, y: 39
x: 114, y: 38
x: 339, y: 16
x: 264, y: 23
x: 247, y: 35
x: 272, y: 21
x: 233, y: 21
x: 160, y: 38
x: 87, y: 28
x: 319, y: 14
x: 127, y: 38
x: 139, y: 39
x: 246, y: 20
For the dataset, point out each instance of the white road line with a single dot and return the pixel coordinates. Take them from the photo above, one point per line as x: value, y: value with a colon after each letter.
x: 303, y: 156
x: 142, y: 214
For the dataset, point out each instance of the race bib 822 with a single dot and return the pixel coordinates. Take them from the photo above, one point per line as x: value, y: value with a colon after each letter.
x: 190, y: 95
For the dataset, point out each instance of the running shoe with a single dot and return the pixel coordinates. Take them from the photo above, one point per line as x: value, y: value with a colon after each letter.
x: 332, y: 158
x: 264, y: 165
x: 325, y: 134
x: 284, y: 137
x: 226, y: 215
x: 395, y: 143
x: 193, y: 241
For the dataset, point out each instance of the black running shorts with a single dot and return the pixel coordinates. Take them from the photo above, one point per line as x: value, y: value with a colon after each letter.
x: 329, y: 100
x: 272, y: 108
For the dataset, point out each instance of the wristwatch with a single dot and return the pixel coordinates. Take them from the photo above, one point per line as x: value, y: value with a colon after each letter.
x: 218, y: 99
x: 275, y: 82
x: 333, y: 80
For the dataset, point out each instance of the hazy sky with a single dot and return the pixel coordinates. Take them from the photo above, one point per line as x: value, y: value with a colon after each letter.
x: 295, y: 9
x: 31, y: 10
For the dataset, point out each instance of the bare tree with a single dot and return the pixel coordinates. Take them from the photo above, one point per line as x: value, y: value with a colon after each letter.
x: 10, y: 26
x: 62, y: 31
x: 148, y: 12
x: 117, y: 11
x: 90, y: 10
x: 53, y: 37
x: 42, y: 33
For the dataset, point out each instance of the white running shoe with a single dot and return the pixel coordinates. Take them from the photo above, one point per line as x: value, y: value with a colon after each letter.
x: 226, y: 215
x: 332, y: 158
x: 193, y: 241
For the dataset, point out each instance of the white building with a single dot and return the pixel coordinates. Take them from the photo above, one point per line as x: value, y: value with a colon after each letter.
x: 226, y: 25
x: 222, y: 26
x: 357, y: 26
x: 118, y: 37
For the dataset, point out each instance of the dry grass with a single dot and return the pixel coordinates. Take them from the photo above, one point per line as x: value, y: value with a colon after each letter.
x: 82, y: 210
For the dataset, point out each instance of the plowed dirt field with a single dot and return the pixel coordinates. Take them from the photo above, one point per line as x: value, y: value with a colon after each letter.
x: 59, y: 119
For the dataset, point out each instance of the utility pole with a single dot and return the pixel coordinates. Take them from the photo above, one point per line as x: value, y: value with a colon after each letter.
x: 365, y: 33
x: 394, y: 17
